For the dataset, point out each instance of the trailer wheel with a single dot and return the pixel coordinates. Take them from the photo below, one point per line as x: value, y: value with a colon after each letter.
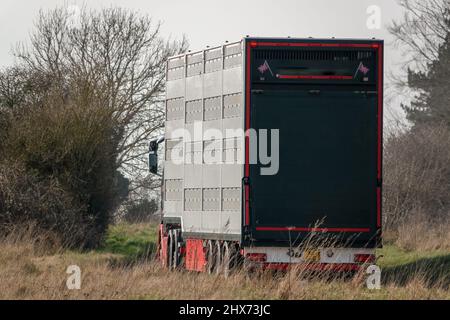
x: 210, y: 257
x: 226, y: 260
x: 218, y: 257
x: 176, y: 251
x: 170, y: 249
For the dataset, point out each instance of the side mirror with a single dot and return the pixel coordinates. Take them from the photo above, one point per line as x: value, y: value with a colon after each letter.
x: 153, y: 162
x: 153, y: 157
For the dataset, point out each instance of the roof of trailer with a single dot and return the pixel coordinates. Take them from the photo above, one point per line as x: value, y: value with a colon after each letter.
x: 281, y: 39
x: 314, y: 39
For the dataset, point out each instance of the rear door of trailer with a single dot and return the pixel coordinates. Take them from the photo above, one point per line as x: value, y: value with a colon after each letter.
x: 325, y: 98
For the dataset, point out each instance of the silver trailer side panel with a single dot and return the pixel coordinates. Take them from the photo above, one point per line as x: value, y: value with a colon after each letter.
x: 204, y: 151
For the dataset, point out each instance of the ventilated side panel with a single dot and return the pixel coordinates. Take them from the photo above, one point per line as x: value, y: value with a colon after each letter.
x: 211, y: 152
x: 232, y: 105
x: 231, y: 150
x: 213, y: 65
x: 211, y: 199
x: 174, y: 150
x: 175, y: 62
x: 194, y: 58
x: 194, y: 64
x: 193, y: 153
x: 231, y: 199
x: 194, y: 111
x: 213, y: 108
x: 175, y: 73
x: 175, y: 109
x: 193, y: 199
x: 173, y: 189
x: 232, y: 61
x: 233, y: 48
x: 233, y: 56
x: 194, y: 69
x: 214, y: 53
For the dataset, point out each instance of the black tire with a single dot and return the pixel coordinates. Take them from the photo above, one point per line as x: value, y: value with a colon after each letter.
x: 176, y: 251
x: 218, y: 257
x: 166, y: 259
x: 226, y: 260
x: 236, y: 258
x: 170, y: 250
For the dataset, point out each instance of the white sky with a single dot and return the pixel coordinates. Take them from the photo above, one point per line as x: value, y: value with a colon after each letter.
x: 211, y: 22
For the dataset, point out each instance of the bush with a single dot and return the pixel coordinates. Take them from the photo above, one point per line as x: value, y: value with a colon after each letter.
x: 141, y: 211
x: 417, y: 176
x: 419, y: 232
x: 59, y: 168
x: 26, y: 200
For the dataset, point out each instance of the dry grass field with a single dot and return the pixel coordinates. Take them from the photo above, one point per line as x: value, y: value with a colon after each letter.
x: 124, y: 269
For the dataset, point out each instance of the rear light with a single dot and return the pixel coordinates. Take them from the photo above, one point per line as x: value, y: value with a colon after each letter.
x: 257, y: 257
x: 364, y: 258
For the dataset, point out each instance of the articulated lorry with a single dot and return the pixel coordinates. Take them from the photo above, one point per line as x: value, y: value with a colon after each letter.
x: 272, y: 155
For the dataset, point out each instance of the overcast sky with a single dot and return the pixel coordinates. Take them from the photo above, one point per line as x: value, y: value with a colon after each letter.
x: 211, y: 22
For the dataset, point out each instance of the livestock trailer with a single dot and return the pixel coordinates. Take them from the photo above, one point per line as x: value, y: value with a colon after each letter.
x: 272, y: 155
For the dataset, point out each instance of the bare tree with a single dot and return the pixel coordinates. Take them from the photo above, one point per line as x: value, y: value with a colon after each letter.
x: 122, y: 54
x: 11, y: 88
x: 422, y: 30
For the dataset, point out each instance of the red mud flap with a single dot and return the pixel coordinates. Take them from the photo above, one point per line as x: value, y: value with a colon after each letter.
x: 195, y: 255
x: 162, y: 246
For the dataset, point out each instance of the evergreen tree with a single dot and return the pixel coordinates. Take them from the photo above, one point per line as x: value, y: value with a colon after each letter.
x: 432, y: 103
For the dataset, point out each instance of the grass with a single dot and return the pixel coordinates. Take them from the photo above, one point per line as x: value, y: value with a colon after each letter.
x: 29, y: 273
x: 402, y: 266
x: 131, y: 240
x: 393, y: 256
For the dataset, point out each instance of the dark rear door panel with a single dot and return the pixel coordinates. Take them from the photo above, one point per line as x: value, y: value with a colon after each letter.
x: 327, y: 171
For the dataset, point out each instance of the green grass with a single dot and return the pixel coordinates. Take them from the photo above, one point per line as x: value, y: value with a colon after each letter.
x: 131, y: 240
x: 401, y: 265
x: 393, y: 256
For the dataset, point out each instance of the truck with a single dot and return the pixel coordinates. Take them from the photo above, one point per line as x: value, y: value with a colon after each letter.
x: 272, y: 155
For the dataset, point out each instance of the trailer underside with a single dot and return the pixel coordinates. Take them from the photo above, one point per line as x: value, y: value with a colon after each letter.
x: 221, y: 256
